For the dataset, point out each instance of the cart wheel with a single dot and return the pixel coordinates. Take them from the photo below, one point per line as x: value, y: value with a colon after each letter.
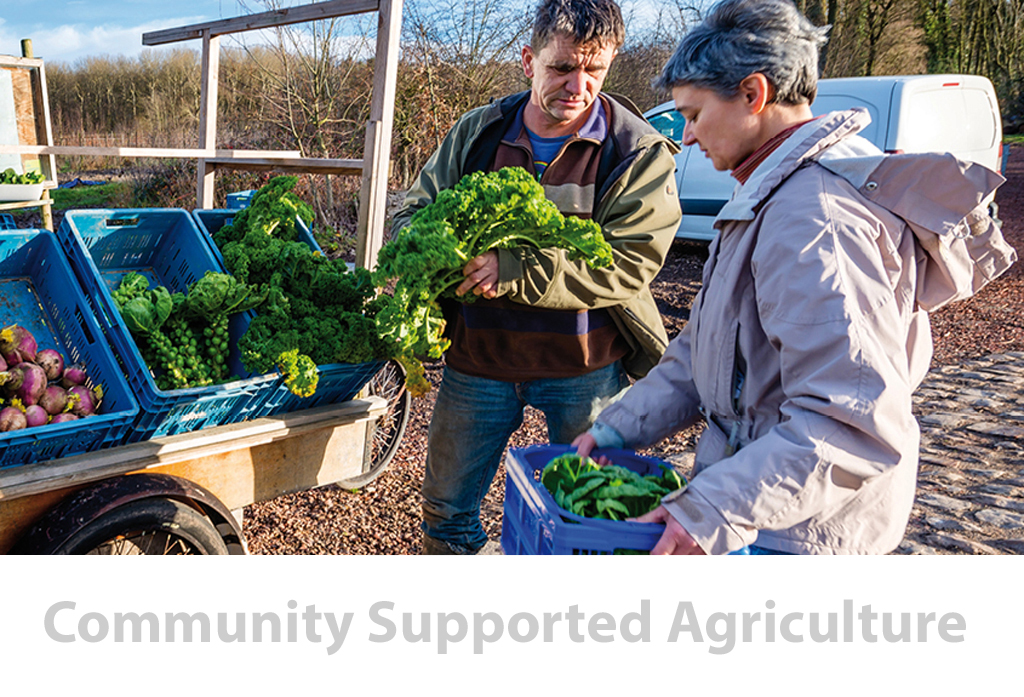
x: 388, y: 383
x: 147, y: 526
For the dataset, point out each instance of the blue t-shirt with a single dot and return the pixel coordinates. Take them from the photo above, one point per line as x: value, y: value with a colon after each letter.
x: 544, y: 150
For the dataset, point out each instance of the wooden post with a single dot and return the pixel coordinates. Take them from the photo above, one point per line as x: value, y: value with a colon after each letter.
x: 376, y: 158
x: 205, y: 171
x: 26, y: 48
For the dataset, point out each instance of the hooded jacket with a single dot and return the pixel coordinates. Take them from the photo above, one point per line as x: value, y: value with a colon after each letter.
x: 808, y: 337
x: 636, y: 204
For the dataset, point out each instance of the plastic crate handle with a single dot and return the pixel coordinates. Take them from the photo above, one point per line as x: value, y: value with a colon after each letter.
x: 126, y: 221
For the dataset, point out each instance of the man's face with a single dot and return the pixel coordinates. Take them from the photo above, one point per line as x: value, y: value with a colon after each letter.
x: 566, y: 80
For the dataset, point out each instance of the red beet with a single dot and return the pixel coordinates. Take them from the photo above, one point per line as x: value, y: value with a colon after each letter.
x: 51, y: 362
x: 73, y: 375
x: 15, y: 338
x: 26, y: 381
x: 12, y: 419
x: 54, y: 399
x: 35, y: 415
x: 88, y: 400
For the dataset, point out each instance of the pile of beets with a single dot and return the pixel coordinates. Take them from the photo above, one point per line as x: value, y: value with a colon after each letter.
x: 36, y: 388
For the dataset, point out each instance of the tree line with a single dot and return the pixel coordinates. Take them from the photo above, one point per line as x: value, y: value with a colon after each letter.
x: 307, y: 87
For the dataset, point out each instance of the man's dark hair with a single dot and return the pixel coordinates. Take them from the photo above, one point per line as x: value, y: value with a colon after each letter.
x: 586, y: 22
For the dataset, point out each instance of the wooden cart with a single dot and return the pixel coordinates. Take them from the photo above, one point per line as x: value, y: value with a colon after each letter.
x: 182, y: 494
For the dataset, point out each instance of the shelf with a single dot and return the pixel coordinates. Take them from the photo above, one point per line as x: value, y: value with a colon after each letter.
x: 14, y: 205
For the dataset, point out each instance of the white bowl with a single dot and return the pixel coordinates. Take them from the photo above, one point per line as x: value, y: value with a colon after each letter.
x: 21, y: 192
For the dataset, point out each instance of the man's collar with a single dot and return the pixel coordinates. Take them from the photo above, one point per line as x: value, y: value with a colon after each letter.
x: 595, y: 127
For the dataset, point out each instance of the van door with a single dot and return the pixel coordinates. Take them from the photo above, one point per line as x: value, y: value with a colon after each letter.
x: 873, y: 94
x: 951, y: 113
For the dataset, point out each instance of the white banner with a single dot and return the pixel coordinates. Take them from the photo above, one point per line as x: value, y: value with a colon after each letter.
x: 511, y: 626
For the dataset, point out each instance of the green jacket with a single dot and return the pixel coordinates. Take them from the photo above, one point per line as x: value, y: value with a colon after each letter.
x: 636, y: 205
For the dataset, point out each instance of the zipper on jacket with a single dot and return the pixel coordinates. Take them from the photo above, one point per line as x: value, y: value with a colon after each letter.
x: 739, y: 376
x: 640, y: 323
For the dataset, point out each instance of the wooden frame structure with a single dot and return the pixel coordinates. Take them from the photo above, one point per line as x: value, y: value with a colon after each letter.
x: 374, y: 165
x: 32, y: 121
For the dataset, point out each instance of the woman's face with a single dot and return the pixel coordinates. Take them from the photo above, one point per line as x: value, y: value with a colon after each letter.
x: 727, y: 131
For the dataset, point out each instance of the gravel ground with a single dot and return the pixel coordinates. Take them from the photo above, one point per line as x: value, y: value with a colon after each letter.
x: 383, y: 518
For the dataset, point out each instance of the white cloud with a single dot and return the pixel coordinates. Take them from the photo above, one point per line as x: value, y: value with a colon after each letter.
x: 70, y: 42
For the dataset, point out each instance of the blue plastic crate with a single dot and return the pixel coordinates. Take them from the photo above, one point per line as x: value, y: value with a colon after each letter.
x: 240, y: 199
x: 165, y: 246
x: 38, y: 290
x: 210, y: 220
x: 534, y: 524
x: 339, y: 382
x: 7, y: 222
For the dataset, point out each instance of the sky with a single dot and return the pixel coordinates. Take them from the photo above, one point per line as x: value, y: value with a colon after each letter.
x: 67, y: 30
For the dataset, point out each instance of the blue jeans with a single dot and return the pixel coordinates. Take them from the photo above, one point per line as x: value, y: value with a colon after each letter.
x: 472, y: 422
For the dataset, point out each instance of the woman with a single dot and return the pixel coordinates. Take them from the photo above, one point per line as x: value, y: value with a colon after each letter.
x: 811, y: 330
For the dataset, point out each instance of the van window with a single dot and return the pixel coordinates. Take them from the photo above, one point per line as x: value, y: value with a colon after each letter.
x: 949, y: 120
x: 670, y: 124
x: 826, y: 103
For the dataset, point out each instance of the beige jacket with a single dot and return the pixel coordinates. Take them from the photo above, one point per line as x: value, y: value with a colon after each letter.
x: 808, y: 337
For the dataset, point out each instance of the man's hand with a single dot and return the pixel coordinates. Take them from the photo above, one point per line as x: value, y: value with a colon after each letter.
x: 481, y: 276
x: 675, y: 539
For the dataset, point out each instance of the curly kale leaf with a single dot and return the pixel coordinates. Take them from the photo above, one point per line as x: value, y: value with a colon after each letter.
x: 272, y: 212
x: 484, y: 211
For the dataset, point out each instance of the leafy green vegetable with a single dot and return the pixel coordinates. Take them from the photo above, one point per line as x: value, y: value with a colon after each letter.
x: 610, y: 491
x: 9, y: 176
x: 484, y: 211
x: 301, y: 372
x: 184, y: 338
x: 273, y: 210
x: 317, y: 311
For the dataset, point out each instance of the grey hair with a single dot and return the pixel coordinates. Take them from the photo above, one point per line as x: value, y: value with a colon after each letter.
x: 742, y: 37
x: 586, y: 22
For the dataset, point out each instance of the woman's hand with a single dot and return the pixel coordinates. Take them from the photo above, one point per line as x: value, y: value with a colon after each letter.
x: 584, y: 444
x: 675, y: 539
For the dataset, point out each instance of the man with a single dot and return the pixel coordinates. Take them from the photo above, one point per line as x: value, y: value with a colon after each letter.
x: 545, y: 331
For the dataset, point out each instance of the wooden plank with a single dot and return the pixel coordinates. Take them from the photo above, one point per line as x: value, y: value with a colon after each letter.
x: 376, y: 158
x: 14, y: 205
x: 261, y: 20
x: 206, y: 174
x: 44, y: 105
x: 19, y: 62
x: 79, y: 469
x: 187, y: 153
x: 247, y: 475
x: 237, y: 477
x: 297, y: 165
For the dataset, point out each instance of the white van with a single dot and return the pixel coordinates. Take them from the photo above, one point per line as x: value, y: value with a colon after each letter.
x: 916, y: 113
